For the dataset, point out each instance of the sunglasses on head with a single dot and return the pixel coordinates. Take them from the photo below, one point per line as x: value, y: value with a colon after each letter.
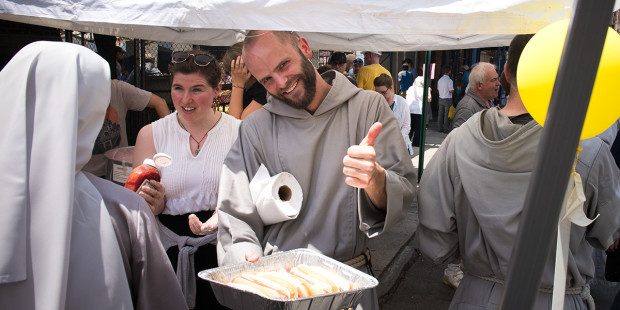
x: 199, y: 59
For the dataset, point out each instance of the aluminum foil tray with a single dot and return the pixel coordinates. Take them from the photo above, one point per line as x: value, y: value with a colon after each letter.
x: 237, y: 299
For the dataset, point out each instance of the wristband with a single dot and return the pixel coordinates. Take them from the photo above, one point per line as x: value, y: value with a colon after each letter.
x: 237, y: 86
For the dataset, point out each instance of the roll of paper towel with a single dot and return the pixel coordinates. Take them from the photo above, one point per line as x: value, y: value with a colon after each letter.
x: 277, y: 198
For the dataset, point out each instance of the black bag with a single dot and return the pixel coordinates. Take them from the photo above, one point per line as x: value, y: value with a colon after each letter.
x: 612, y: 267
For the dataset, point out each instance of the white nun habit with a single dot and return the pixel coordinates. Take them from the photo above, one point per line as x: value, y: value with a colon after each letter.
x: 59, y: 250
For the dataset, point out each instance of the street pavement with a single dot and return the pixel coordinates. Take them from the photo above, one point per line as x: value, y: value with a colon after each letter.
x: 406, y: 279
x: 420, y: 288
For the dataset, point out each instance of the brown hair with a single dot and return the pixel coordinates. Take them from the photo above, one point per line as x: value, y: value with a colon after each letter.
x: 231, y: 54
x: 211, y: 72
x: 383, y: 80
x: 515, y: 49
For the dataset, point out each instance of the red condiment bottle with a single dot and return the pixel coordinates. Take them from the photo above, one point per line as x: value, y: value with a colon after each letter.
x: 149, y: 170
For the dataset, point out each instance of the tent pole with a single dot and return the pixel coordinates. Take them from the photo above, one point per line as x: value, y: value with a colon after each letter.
x: 474, y: 56
x: 427, y: 73
x: 556, y: 151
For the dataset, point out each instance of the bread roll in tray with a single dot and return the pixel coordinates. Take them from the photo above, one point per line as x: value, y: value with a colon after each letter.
x: 299, y: 281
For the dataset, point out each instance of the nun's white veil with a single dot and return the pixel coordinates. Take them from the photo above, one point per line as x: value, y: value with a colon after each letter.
x: 58, y: 248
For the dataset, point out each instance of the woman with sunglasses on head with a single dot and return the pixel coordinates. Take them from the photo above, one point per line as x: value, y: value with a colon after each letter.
x: 197, y: 137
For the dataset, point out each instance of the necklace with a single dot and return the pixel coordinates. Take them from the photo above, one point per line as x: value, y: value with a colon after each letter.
x: 190, y: 135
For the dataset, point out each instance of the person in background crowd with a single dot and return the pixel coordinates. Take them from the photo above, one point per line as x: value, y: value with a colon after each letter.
x: 398, y: 105
x: 349, y: 67
x: 429, y: 111
x: 459, y: 89
x: 70, y: 240
x: 505, y: 88
x: 415, y: 94
x: 338, y: 62
x: 370, y: 71
x: 113, y: 133
x: 120, y: 63
x: 412, y: 69
x: 358, y: 63
x: 247, y: 94
x: 197, y: 137
x: 466, y: 75
x: 309, y: 129
x: 483, y: 88
x: 472, y: 197
x: 405, y: 80
x: 324, y: 68
x: 445, y: 88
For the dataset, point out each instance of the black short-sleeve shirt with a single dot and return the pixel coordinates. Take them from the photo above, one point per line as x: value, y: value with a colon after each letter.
x: 257, y: 93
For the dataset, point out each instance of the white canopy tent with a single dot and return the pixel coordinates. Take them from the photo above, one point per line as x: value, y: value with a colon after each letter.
x: 398, y: 25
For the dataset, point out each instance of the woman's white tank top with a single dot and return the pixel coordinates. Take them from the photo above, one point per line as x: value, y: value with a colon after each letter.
x: 192, y: 182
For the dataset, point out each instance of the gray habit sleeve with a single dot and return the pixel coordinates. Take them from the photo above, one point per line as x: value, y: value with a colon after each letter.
x: 437, y: 235
x: 152, y: 281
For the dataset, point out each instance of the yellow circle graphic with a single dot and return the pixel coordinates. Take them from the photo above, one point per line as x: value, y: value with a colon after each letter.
x: 538, y: 67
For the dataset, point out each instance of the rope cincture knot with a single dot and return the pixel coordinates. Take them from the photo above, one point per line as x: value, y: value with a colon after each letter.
x: 360, y: 260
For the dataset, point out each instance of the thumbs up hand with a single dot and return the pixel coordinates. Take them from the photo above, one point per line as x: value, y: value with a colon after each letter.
x: 362, y: 171
x: 373, y: 133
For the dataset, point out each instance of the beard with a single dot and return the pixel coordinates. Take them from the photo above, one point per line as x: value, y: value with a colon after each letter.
x: 307, y: 78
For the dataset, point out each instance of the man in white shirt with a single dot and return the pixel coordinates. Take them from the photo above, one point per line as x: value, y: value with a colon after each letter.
x: 445, y: 88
